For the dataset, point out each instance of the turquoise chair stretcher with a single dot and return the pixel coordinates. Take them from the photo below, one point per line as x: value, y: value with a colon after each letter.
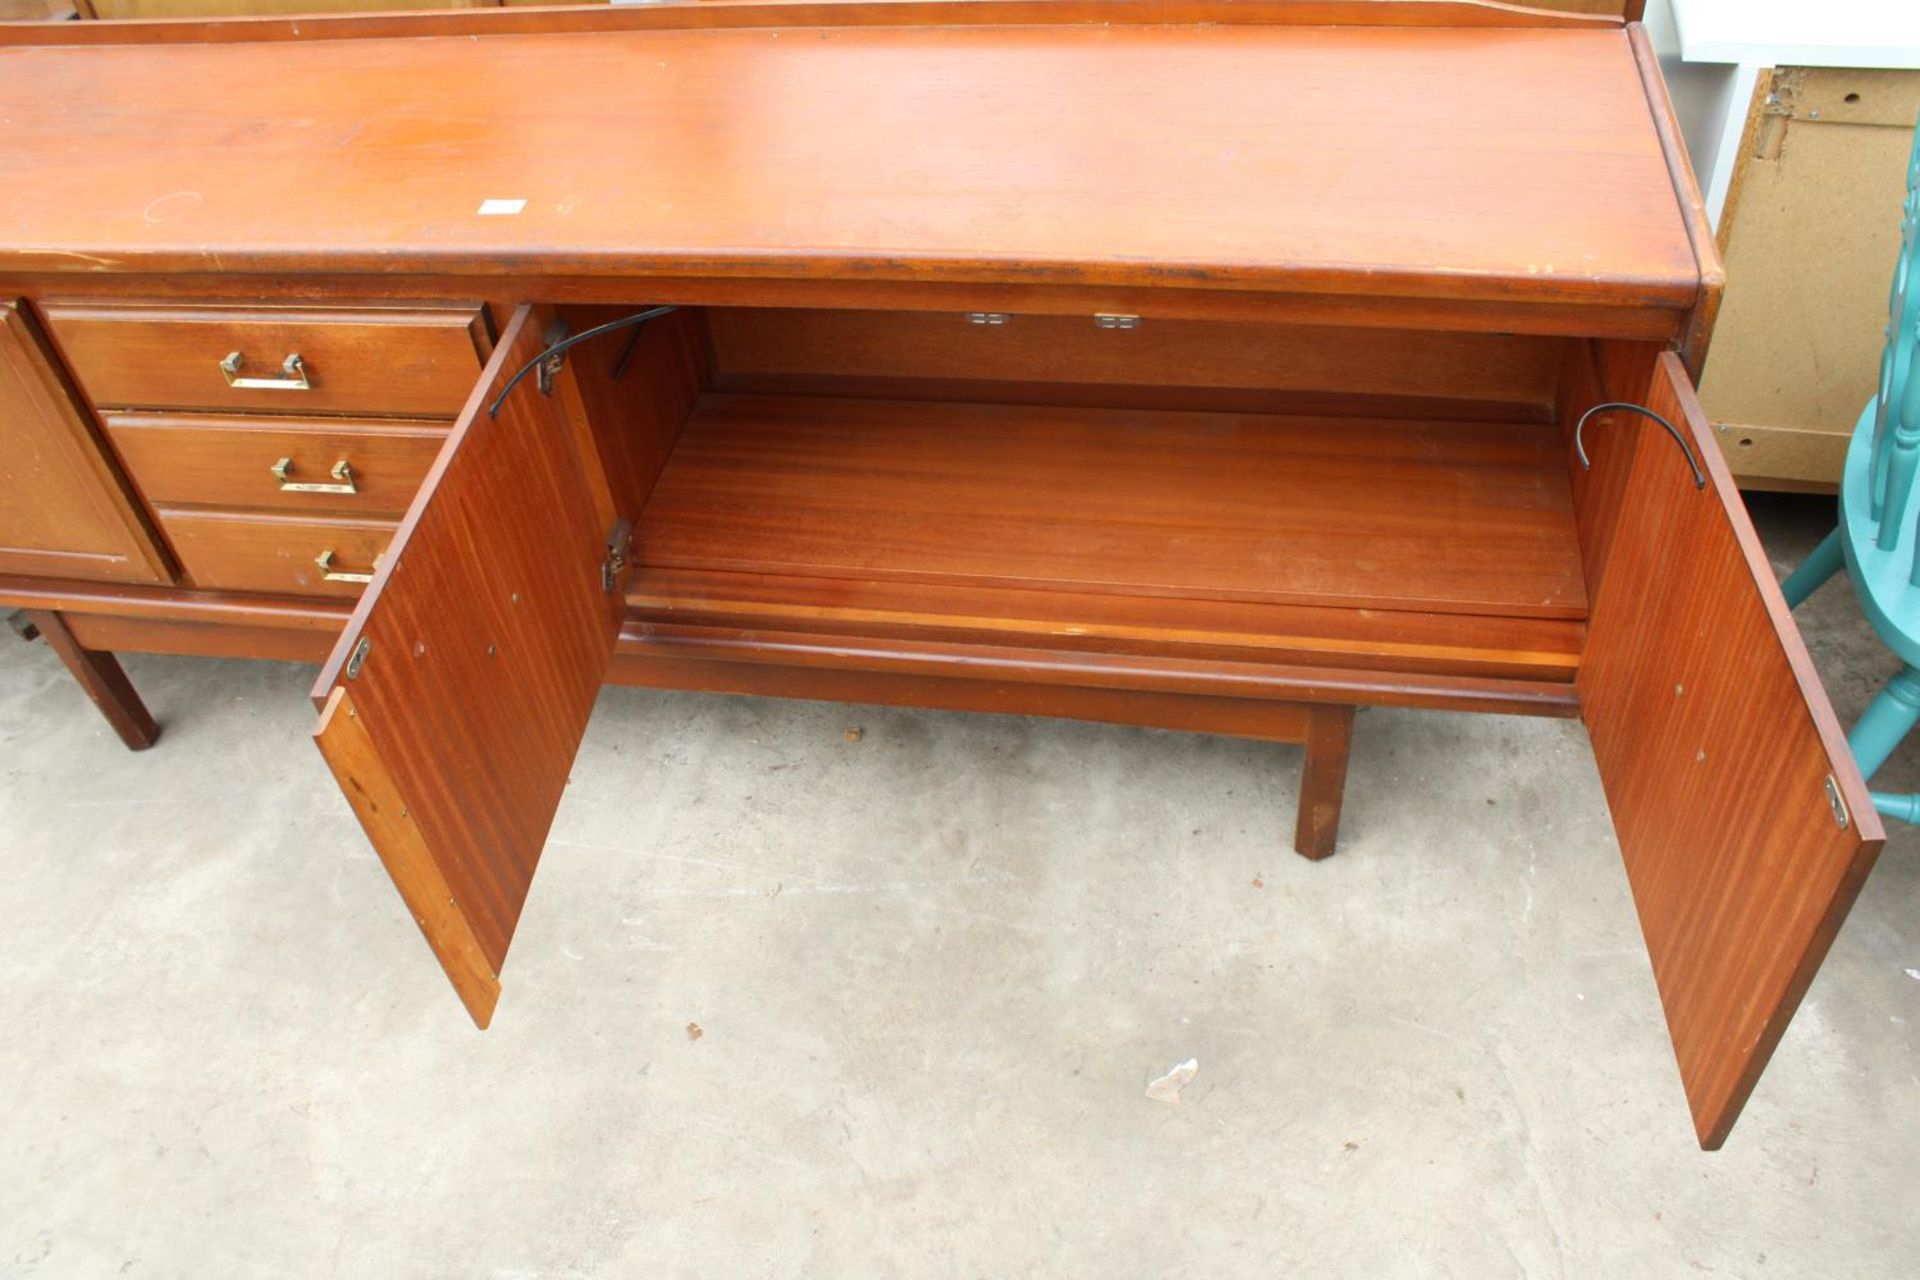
x: 1877, y: 541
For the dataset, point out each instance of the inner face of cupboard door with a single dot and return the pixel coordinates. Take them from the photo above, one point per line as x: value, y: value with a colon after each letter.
x: 1745, y: 828
x: 457, y: 697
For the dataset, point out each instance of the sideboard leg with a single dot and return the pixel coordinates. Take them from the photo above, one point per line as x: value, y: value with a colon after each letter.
x: 100, y: 675
x: 1323, y: 780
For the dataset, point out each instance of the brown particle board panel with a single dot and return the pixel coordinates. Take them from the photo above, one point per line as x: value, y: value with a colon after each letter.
x: 1810, y: 233
x: 1439, y: 517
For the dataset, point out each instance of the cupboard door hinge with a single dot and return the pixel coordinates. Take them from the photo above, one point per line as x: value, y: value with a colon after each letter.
x: 1841, y: 817
x: 619, y: 549
x: 551, y: 361
x: 358, y: 658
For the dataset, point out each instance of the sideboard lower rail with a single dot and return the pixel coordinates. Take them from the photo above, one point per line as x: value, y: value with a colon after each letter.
x: 137, y: 620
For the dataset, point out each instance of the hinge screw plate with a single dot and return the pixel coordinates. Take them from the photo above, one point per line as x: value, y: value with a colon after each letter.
x: 619, y: 548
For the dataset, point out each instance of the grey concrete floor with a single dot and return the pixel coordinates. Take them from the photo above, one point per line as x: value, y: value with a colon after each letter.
x: 933, y: 970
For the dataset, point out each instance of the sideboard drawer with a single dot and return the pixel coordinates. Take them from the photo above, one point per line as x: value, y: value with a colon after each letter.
x: 352, y: 466
x: 284, y: 555
x: 415, y: 361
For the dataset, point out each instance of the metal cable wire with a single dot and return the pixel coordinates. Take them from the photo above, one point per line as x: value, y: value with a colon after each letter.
x: 567, y: 344
x: 1580, y: 447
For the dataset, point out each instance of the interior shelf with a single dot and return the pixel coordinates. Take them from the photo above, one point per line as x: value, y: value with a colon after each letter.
x: 1378, y: 514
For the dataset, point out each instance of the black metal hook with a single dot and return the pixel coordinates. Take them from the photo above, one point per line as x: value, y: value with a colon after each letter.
x: 1580, y: 447
x: 567, y: 344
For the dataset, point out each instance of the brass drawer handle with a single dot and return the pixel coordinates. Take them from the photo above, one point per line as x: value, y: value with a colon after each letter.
x: 330, y: 574
x: 342, y: 481
x: 295, y: 367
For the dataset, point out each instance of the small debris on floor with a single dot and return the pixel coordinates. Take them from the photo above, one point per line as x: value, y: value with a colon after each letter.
x: 1914, y: 974
x: 1167, y: 1088
x: 1258, y: 883
x: 854, y: 733
x: 693, y: 1031
x: 1351, y: 1146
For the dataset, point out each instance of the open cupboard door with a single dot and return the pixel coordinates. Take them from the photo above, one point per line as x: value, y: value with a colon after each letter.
x: 1745, y: 827
x: 455, y: 701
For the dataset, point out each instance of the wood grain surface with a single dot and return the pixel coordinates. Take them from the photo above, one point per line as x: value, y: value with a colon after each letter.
x: 1036, y: 155
x: 629, y: 395
x: 1100, y: 621
x: 123, y: 10
x: 228, y: 461
x: 419, y: 870
x: 640, y: 663
x: 65, y: 508
x: 1693, y: 205
x: 101, y: 678
x: 1040, y: 359
x: 1453, y: 517
x: 1716, y: 744
x: 215, y: 608
x: 842, y: 660
x: 488, y: 632
x: 1323, y: 780
x: 250, y: 551
x: 202, y: 639
x: 680, y: 15
x: 401, y: 361
x: 1267, y: 305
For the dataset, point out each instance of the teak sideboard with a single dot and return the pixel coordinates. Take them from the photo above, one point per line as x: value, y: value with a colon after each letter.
x: 1212, y: 366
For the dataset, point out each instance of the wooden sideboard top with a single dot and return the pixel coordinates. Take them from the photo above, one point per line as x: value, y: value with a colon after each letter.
x: 1494, y: 164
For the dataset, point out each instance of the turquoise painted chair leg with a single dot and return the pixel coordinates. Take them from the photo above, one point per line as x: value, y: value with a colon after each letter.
x: 1904, y: 808
x: 1827, y: 559
x: 1889, y: 718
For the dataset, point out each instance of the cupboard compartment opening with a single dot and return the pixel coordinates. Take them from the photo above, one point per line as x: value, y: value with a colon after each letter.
x: 1367, y: 499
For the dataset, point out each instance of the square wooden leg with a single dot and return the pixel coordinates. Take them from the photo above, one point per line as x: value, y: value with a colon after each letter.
x: 1323, y: 780
x: 100, y: 675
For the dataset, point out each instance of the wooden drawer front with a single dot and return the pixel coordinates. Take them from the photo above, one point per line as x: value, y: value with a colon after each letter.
x: 403, y: 362
x: 274, y: 553
x: 238, y: 462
